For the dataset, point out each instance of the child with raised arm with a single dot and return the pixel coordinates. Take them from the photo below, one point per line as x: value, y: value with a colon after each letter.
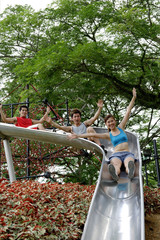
x: 119, y: 140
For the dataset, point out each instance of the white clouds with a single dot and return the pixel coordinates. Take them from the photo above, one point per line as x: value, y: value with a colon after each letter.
x: 36, y: 4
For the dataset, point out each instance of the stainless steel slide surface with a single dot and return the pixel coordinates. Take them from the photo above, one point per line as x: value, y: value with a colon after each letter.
x: 117, y: 209
x: 9, y: 130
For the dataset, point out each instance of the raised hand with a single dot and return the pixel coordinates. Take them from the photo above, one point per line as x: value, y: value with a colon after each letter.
x: 100, y: 103
x: 48, y: 109
x: 48, y: 119
x: 134, y: 92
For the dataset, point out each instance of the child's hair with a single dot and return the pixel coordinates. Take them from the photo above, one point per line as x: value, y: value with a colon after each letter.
x: 74, y: 111
x: 23, y: 106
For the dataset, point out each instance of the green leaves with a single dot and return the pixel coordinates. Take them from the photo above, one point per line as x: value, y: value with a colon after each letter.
x: 82, y: 51
x: 79, y: 42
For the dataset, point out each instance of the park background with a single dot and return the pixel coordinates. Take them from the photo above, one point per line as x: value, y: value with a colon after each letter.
x: 81, y: 51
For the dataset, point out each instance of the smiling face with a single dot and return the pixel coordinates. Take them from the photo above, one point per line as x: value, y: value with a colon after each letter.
x: 111, y: 123
x: 23, y: 112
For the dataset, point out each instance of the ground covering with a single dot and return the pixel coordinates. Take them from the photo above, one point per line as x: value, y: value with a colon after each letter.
x: 152, y: 213
x: 151, y: 200
x: 31, y: 210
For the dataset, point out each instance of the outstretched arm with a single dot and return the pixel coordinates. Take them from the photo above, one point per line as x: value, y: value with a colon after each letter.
x: 43, y: 118
x: 126, y: 117
x: 87, y: 135
x: 56, y: 125
x: 5, y: 119
x: 90, y: 121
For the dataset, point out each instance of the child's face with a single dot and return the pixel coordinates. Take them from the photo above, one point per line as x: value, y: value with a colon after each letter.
x: 23, y: 112
x: 111, y: 123
x: 76, y: 118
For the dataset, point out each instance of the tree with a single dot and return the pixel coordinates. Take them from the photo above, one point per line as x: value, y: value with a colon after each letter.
x: 85, y: 50
x: 85, y: 46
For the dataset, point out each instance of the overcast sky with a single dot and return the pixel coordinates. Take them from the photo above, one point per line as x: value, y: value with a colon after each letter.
x: 36, y: 4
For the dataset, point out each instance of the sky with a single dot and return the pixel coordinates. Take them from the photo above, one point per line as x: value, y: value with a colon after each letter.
x: 36, y: 4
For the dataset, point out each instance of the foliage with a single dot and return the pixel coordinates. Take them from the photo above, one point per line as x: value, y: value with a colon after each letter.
x: 90, y: 47
x: 82, y: 169
x: 65, y: 164
x: 151, y: 200
x: 82, y: 51
x: 151, y: 178
x: 32, y: 159
x: 149, y: 162
x: 31, y: 210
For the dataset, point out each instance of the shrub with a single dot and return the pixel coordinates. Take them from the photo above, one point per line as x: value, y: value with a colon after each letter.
x: 151, y: 200
x: 31, y: 210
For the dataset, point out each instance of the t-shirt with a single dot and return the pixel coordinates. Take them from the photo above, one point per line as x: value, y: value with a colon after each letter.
x: 23, y: 122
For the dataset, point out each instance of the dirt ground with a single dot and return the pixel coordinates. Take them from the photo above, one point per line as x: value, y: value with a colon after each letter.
x: 152, y: 227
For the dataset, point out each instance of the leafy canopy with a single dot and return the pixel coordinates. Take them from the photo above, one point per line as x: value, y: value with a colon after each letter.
x: 84, y: 50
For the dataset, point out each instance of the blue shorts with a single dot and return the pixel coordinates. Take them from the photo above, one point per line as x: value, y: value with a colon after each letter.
x: 122, y: 155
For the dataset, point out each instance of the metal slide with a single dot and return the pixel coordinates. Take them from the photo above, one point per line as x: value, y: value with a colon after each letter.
x: 117, y: 209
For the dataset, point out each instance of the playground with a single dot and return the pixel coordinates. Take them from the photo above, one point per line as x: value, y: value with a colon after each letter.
x: 80, y: 120
x: 28, y: 155
x: 126, y: 193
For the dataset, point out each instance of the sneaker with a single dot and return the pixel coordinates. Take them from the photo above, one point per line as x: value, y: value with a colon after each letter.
x: 113, y: 173
x: 104, y: 149
x: 131, y: 169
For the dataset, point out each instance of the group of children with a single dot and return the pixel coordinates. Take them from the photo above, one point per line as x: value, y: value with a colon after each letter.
x: 115, y: 134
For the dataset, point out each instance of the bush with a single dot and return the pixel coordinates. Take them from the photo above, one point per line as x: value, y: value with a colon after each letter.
x: 151, y: 200
x: 31, y: 210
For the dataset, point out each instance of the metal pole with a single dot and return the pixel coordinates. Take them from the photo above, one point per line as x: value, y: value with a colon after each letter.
x: 28, y: 159
x: 11, y: 110
x: 9, y: 159
x: 27, y: 141
x: 67, y: 113
x: 156, y: 161
x: 27, y: 100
